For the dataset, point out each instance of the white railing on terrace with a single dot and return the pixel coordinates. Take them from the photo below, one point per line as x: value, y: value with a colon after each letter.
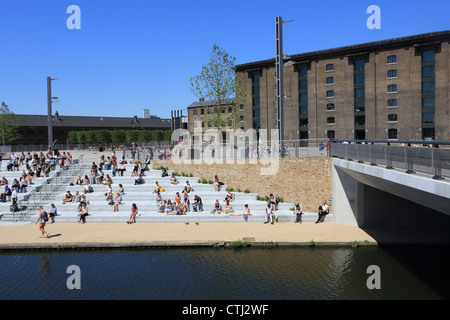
x: 430, y: 157
x: 268, y: 149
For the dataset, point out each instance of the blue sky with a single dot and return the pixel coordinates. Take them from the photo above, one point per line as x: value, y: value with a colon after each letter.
x: 135, y: 54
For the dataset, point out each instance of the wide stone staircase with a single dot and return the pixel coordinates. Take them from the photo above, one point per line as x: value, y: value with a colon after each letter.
x: 42, y: 191
x: 143, y: 196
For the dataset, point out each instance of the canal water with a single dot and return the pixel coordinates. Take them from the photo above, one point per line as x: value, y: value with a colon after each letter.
x: 300, y: 273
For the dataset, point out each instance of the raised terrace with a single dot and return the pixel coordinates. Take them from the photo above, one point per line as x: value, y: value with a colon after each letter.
x: 145, y: 199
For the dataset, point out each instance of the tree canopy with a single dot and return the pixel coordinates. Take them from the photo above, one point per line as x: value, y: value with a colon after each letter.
x: 218, y: 84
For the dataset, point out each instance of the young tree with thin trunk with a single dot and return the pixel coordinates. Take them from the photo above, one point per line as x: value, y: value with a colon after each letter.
x: 217, y: 83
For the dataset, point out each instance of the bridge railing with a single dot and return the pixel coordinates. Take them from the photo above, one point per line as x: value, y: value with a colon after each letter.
x: 430, y: 157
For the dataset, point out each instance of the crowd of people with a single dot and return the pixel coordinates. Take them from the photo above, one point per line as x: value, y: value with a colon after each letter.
x: 182, y: 202
x: 36, y: 166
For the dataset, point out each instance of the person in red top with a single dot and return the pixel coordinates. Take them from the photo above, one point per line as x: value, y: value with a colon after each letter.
x: 134, y: 211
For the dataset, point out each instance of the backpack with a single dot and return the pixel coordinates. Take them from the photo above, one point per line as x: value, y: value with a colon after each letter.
x: 45, y: 216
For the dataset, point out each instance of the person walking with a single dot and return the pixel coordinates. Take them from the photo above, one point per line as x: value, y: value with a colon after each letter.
x: 42, y: 219
x: 134, y: 212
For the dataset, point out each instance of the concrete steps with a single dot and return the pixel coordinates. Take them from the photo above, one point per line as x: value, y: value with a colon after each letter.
x: 145, y: 199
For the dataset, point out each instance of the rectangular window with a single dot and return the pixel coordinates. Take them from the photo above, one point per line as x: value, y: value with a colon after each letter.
x: 241, y: 107
x: 359, y: 78
x: 256, y: 102
x: 202, y: 111
x: 428, y: 102
x: 303, y: 97
x: 392, y: 117
x: 330, y: 106
x: 331, y: 134
x: 428, y: 56
x: 359, y: 65
x: 256, y: 113
x: 330, y: 80
x: 256, y: 125
x: 303, y: 85
x: 360, y: 120
x: 428, y: 117
x: 392, y: 74
x: 303, y: 110
x: 302, y: 72
x: 303, y: 123
x: 428, y: 72
x: 392, y: 59
x: 242, y: 118
x: 330, y: 120
x: 255, y: 90
x: 330, y: 93
x: 392, y: 134
x: 392, y: 88
x: 360, y: 93
x: 360, y: 106
x: 330, y: 67
x: 392, y: 103
x: 194, y: 112
x: 255, y: 78
x: 428, y: 87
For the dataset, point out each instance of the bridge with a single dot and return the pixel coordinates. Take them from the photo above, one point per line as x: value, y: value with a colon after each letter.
x: 402, y: 185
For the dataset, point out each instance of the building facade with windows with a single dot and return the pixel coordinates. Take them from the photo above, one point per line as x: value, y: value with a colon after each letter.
x: 202, y: 114
x: 395, y: 89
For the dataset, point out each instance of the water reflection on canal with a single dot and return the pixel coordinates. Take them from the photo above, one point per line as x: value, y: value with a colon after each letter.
x: 214, y: 274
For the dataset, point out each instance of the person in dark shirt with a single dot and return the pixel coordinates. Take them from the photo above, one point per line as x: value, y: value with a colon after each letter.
x: 6, y: 193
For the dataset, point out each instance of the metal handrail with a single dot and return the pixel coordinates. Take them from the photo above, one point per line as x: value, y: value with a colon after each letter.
x: 44, y: 185
x: 412, y: 156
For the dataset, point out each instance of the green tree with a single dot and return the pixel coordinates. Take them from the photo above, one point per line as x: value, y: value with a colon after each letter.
x: 132, y: 135
x: 73, y: 137
x: 81, y: 137
x: 9, y: 124
x: 158, y: 135
x: 217, y: 82
x: 145, y: 135
x: 118, y: 136
x: 167, y: 135
x: 91, y: 137
x: 103, y: 136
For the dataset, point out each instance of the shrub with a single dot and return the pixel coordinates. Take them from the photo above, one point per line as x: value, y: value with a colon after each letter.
x: 246, y: 191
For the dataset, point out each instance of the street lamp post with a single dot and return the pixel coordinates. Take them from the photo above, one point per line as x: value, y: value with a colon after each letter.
x: 49, y: 111
x: 279, y: 80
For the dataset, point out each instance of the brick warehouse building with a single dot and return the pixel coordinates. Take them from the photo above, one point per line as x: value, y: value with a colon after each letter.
x: 392, y: 89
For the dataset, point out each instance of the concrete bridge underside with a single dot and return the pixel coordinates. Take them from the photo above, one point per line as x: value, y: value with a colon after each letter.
x: 391, y: 203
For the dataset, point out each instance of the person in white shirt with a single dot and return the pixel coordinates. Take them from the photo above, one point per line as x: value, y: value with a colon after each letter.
x: 323, y: 211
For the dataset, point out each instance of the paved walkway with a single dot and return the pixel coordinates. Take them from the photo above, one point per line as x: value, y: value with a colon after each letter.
x: 68, y: 235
